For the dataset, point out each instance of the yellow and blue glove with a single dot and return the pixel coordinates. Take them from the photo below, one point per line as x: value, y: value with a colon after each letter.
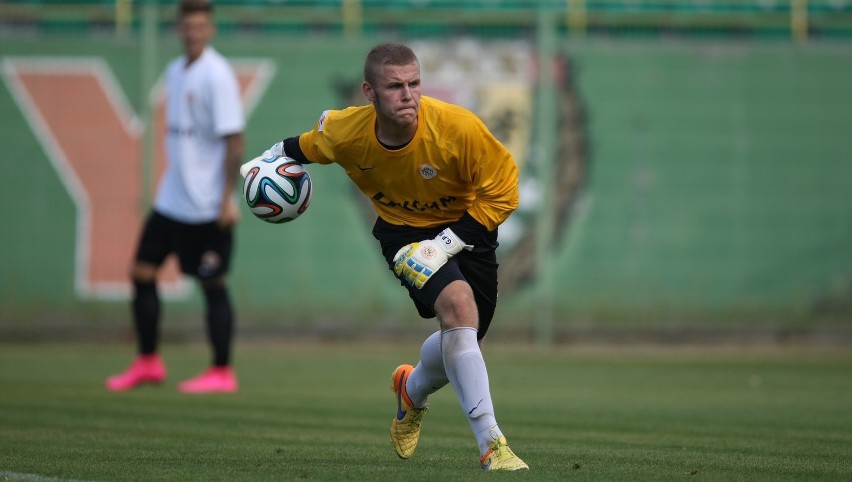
x: 415, y: 263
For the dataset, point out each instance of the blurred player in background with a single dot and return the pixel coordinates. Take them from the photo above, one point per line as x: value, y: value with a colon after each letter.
x: 194, y: 212
x: 441, y: 184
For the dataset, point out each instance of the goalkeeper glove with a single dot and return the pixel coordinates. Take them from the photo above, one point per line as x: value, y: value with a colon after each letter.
x: 415, y: 263
x: 275, y: 151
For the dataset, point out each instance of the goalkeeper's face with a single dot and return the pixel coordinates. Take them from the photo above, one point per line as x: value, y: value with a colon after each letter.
x: 396, y: 94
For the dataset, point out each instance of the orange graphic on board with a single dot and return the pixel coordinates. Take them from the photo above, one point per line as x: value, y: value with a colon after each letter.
x: 94, y: 141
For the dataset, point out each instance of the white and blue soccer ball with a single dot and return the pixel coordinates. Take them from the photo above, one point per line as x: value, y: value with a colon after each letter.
x: 277, y: 189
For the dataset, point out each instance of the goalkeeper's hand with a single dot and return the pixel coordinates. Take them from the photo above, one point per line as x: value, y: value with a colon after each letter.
x: 275, y: 151
x: 415, y: 263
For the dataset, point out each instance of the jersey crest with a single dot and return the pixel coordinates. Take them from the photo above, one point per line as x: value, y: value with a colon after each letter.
x: 428, y: 172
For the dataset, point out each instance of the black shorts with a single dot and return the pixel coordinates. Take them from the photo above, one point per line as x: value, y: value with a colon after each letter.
x: 204, y: 250
x: 478, y: 268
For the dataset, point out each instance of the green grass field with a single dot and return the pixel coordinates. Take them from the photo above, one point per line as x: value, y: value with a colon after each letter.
x: 321, y: 412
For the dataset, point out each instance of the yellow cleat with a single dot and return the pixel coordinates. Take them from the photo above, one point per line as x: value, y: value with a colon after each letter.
x: 405, y: 427
x: 501, y: 457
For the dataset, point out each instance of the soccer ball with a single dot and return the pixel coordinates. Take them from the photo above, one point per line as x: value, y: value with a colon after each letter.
x: 277, y: 189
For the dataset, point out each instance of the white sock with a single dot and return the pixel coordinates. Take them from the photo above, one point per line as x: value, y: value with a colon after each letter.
x: 466, y: 371
x: 428, y: 376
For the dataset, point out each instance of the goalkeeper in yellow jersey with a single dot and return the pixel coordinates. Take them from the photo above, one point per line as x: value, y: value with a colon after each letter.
x: 440, y: 184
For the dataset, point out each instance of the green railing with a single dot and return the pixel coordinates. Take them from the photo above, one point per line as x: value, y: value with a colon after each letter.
x: 798, y: 19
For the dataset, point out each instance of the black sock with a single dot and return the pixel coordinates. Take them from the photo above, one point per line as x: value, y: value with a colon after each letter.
x: 146, y: 316
x: 220, y: 321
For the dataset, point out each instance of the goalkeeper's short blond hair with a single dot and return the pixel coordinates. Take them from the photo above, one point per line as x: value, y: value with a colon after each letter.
x: 386, y: 54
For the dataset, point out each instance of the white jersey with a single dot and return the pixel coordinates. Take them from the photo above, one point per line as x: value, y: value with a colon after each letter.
x: 203, y: 104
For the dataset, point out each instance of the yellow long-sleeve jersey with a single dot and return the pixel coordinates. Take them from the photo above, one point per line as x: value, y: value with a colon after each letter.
x: 452, y: 165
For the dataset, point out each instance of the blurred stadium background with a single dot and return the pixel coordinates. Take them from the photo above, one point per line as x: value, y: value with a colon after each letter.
x: 686, y: 164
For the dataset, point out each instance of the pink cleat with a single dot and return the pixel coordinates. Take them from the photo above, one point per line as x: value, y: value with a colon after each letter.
x: 215, y: 379
x: 144, y: 369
